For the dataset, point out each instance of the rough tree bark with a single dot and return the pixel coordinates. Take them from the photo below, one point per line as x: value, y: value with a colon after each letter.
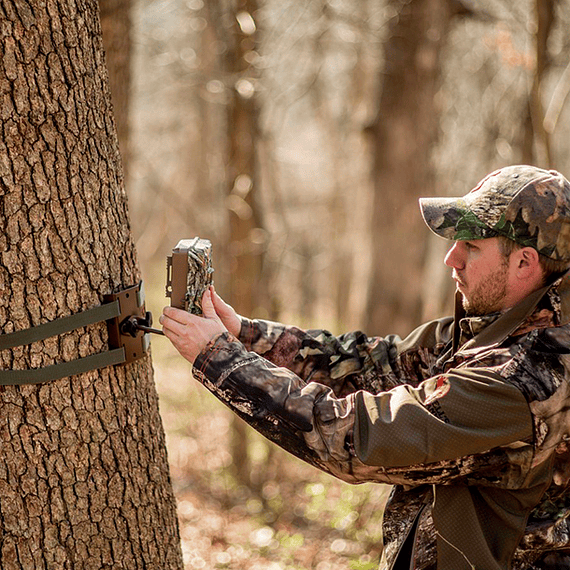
x: 404, y: 132
x: 84, y: 479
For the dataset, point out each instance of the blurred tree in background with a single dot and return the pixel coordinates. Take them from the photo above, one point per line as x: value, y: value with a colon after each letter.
x: 404, y: 132
x: 243, y: 237
x: 116, y: 28
x: 298, y: 135
x: 353, y: 112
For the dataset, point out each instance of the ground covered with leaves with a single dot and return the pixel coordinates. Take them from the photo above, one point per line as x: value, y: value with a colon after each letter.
x: 289, y: 516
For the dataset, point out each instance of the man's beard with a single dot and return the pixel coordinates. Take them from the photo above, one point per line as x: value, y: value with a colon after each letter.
x: 488, y: 295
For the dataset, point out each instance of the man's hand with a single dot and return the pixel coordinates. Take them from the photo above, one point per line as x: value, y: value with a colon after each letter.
x: 189, y: 333
x: 226, y: 313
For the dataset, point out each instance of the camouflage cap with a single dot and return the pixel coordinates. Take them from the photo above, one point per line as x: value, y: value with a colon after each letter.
x: 528, y: 205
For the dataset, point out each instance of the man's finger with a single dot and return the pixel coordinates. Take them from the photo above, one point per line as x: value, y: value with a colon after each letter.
x: 172, y: 336
x: 171, y: 326
x: 222, y: 308
x: 177, y: 321
x: 208, y: 305
x: 177, y: 315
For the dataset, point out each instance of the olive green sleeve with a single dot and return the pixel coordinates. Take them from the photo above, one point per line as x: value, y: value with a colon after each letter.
x: 462, y: 413
x: 449, y: 427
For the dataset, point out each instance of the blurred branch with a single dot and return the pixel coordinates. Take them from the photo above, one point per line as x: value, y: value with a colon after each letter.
x: 469, y: 9
x: 557, y: 101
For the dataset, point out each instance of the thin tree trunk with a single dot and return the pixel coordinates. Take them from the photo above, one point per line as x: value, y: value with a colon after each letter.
x: 244, y: 252
x: 404, y: 133
x: 116, y: 26
x: 535, y: 140
x: 84, y: 478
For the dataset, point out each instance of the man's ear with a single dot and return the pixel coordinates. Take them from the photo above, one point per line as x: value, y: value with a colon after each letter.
x: 528, y: 262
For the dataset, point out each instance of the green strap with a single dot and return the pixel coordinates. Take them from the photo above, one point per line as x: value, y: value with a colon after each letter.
x: 57, y: 327
x: 56, y: 371
x: 60, y: 326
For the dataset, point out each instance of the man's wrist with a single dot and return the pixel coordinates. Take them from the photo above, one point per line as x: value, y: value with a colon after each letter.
x: 223, y: 343
x: 245, y: 334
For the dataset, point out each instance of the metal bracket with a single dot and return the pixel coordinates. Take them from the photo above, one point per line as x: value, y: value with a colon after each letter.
x: 176, y: 278
x: 129, y: 329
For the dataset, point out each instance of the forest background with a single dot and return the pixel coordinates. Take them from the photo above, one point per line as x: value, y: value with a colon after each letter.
x: 297, y: 136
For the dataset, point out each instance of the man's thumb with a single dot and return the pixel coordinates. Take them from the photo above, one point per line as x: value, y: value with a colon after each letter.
x: 208, y: 305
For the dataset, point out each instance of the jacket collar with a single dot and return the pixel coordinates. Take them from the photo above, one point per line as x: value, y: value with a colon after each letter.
x: 514, y: 319
x: 560, y: 296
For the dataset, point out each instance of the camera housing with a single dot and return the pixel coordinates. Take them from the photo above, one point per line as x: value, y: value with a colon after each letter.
x: 189, y: 273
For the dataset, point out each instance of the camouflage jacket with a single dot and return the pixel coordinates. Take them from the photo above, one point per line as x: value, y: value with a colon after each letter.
x: 469, y: 418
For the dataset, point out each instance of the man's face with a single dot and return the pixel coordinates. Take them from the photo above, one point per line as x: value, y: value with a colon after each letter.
x: 482, y: 274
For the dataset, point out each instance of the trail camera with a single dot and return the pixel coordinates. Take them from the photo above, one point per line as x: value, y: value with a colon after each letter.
x: 189, y: 273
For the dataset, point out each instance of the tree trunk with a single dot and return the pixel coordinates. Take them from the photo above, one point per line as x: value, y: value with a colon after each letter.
x: 245, y: 251
x: 404, y: 133
x: 84, y: 479
x: 116, y: 26
x: 236, y: 27
x: 535, y: 140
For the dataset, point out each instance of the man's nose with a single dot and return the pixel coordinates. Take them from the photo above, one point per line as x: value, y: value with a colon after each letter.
x: 454, y: 258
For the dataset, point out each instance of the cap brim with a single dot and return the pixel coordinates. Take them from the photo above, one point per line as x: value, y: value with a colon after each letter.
x: 452, y: 219
x: 442, y: 214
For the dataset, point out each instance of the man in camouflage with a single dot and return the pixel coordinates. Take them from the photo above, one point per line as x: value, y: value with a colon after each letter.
x: 468, y: 417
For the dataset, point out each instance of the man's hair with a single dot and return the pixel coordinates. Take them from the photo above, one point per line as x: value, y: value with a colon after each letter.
x: 551, y: 269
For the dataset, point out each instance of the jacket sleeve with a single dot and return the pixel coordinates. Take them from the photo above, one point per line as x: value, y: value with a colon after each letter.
x: 447, y: 428
x: 349, y: 362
